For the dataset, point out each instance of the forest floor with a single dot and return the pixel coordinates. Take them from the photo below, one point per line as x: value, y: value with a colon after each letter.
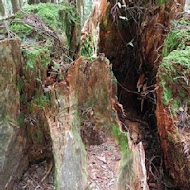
x: 102, y: 166
x: 103, y: 163
x: 37, y: 177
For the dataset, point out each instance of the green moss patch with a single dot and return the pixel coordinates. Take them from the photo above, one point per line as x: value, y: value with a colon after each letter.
x: 122, y: 139
x: 160, y: 2
x: 174, y: 71
x: 46, y: 26
x: 174, y: 75
x: 178, y: 38
x: 40, y: 100
x: 21, y: 29
x: 87, y: 47
x: 35, y: 54
x: 55, y: 16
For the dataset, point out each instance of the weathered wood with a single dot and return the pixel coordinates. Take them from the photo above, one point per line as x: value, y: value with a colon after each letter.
x: 12, y: 159
x: 15, y: 5
x: 2, y: 9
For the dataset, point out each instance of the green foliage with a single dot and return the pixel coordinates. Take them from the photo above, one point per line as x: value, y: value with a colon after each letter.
x: 20, y: 119
x: 176, y: 41
x: 87, y: 48
x: 54, y: 15
x: 160, y: 2
x: 178, y: 37
x: 40, y: 100
x: 184, y: 22
x: 35, y: 54
x: 174, y: 75
x: 174, y: 70
x: 21, y: 29
x: 122, y: 139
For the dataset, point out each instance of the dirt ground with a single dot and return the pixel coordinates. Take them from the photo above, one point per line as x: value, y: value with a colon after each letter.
x: 103, y: 162
x: 37, y: 177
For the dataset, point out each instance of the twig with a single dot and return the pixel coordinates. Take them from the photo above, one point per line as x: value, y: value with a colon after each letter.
x: 130, y: 91
x: 48, y: 172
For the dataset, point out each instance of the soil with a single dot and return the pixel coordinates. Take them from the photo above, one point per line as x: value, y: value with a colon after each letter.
x: 103, y: 164
x: 38, y: 177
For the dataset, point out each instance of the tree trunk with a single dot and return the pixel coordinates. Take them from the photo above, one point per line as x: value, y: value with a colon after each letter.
x: 15, y: 5
x: 2, y: 9
x: 33, y: 2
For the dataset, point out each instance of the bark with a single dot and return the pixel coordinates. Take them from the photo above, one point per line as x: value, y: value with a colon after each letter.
x: 2, y: 9
x: 33, y: 2
x: 13, y: 161
x: 15, y: 5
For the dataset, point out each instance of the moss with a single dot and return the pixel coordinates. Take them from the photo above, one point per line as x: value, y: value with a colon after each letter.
x: 34, y: 54
x: 53, y: 15
x: 20, y: 119
x: 21, y: 29
x: 57, y: 18
x: 40, y: 100
x: 184, y: 22
x: 87, y: 48
x: 167, y: 95
x: 177, y: 38
x: 20, y: 85
x: 122, y: 139
x: 160, y: 2
x: 174, y: 71
x: 38, y: 136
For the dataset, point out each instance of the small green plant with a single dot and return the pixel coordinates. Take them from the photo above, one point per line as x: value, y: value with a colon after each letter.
x: 87, y: 47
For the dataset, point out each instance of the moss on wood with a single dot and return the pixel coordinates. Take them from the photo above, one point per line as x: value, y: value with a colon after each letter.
x: 174, y: 70
x: 122, y: 140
